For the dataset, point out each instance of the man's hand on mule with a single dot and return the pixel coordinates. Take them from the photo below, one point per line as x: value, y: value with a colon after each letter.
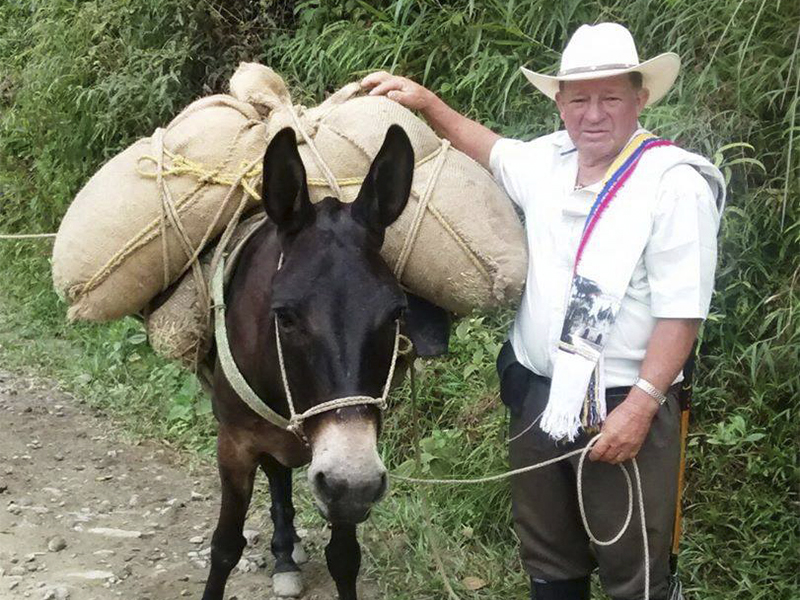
x: 466, y: 135
x: 625, y: 428
x: 400, y: 89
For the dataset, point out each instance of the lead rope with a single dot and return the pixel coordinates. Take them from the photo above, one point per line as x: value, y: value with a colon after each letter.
x: 426, y: 508
x: 583, y: 452
x: 26, y: 236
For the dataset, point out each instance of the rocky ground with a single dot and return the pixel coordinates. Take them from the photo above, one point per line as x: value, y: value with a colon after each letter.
x: 87, y: 515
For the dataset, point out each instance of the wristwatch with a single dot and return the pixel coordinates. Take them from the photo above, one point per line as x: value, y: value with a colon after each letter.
x: 650, y: 390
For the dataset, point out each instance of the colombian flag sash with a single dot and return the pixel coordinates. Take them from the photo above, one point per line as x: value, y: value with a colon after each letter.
x: 577, y: 394
x: 615, y: 178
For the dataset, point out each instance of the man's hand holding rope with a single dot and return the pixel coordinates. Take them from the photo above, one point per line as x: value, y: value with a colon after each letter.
x: 626, y: 427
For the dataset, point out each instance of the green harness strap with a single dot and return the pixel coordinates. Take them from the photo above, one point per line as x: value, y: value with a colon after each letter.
x: 229, y: 368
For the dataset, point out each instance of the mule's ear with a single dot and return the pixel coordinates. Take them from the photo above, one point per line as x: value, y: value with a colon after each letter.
x: 284, y: 189
x: 384, y: 193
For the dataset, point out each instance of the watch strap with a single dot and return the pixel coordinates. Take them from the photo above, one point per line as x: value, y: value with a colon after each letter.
x: 650, y: 390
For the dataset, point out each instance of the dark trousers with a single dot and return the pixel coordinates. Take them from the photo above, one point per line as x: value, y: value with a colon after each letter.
x: 553, y: 543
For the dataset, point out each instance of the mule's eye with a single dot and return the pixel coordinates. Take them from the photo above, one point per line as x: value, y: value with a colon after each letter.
x: 286, y: 318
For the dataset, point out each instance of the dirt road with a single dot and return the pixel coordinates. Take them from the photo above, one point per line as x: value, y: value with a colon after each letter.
x: 86, y: 515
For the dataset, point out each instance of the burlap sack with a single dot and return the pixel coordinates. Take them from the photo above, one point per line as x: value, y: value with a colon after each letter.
x: 178, y: 321
x: 110, y: 255
x: 459, y: 243
x: 129, y: 233
x: 178, y: 327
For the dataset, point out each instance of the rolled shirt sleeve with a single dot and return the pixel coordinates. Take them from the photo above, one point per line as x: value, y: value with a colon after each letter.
x: 681, y: 254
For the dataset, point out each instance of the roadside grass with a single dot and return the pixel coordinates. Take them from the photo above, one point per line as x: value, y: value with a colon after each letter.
x: 79, y: 81
x: 109, y: 365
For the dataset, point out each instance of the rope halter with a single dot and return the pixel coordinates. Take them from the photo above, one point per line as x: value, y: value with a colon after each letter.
x: 237, y: 381
x: 296, y: 420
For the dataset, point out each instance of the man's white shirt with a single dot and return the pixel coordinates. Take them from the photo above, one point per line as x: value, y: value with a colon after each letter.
x: 674, y: 277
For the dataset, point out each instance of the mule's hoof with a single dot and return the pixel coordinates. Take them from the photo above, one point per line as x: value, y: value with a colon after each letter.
x: 287, y: 585
x: 299, y: 555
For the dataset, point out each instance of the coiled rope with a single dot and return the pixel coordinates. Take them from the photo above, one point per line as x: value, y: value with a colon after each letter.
x: 582, y: 452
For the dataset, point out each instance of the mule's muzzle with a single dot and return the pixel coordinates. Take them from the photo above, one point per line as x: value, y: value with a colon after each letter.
x: 346, y: 475
x: 345, y: 499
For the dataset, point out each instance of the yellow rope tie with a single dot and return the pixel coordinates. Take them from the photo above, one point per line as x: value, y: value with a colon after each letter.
x: 248, y: 172
x: 148, y: 234
x: 343, y: 182
x: 169, y: 212
x: 180, y: 165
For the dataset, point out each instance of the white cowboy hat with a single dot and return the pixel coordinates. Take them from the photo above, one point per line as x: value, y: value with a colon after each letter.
x: 606, y: 50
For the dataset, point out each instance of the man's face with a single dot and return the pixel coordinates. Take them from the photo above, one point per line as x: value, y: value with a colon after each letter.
x: 600, y: 114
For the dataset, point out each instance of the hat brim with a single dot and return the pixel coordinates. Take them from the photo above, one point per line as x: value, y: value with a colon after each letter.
x: 658, y: 75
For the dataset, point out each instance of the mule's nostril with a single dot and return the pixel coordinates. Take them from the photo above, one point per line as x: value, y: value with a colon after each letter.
x: 330, y: 488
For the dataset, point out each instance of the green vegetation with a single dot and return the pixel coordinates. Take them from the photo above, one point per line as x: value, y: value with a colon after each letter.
x: 81, y: 80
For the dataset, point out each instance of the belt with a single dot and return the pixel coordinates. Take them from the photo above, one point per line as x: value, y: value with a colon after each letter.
x: 622, y: 390
x: 612, y: 392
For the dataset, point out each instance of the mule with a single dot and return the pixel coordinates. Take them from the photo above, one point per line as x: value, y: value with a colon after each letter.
x: 336, y: 304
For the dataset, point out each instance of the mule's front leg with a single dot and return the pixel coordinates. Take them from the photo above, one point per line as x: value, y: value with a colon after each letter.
x: 344, y: 559
x: 286, y: 580
x: 237, y: 469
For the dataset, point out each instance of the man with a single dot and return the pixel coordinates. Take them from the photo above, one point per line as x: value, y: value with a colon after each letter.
x: 611, y: 307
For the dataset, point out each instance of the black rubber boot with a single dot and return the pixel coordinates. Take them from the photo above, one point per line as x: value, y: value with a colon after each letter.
x: 569, y: 589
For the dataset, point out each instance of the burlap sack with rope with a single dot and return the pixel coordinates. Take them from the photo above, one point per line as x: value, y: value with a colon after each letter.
x: 178, y: 326
x: 459, y: 242
x: 178, y: 321
x: 145, y: 217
